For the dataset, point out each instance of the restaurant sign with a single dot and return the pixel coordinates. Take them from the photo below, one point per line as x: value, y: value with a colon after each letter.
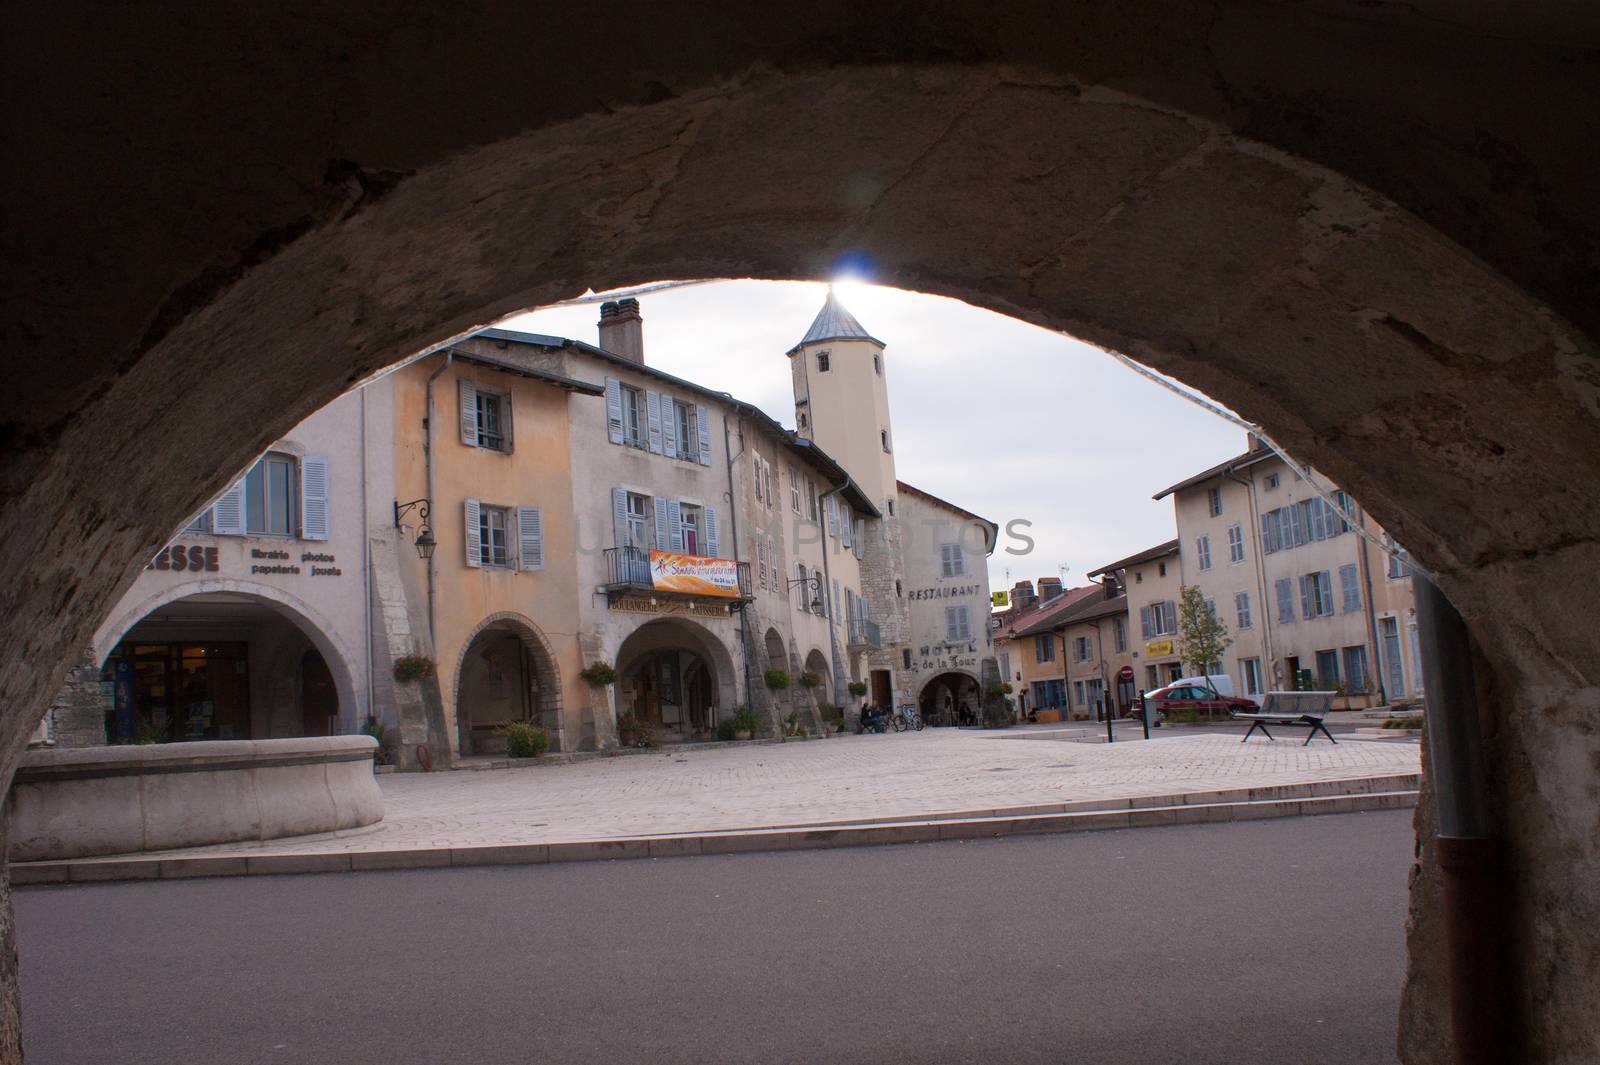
x: 694, y: 574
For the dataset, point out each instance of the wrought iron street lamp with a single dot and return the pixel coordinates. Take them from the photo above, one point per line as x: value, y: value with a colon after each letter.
x: 425, y: 543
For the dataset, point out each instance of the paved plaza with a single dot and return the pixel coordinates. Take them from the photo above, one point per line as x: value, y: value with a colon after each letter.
x: 847, y: 779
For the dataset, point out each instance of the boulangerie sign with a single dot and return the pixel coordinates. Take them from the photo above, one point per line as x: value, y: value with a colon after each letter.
x: 694, y: 574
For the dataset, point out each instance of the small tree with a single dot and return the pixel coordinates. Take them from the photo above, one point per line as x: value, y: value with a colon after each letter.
x: 1201, y: 636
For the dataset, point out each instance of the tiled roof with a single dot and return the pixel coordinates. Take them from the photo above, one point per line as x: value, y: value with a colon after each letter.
x: 1249, y: 458
x: 1045, y: 612
x: 1087, y: 608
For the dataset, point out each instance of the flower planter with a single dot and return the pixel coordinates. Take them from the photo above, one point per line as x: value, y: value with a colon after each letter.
x: 743, y: 734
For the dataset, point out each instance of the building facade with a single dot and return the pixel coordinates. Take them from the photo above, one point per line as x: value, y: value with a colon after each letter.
x: 1152, y: 581
x: 1307, y: 599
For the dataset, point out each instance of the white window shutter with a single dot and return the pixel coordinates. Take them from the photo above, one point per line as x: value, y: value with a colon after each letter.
x: 652, y: 404
x: 530, y: 537
x: 474, y: 534
x: 669, y: 425
x: 833, y: 604
x: 702, y: 419
x: 619, y: 516
x: 761, y: 563
x: 614, y: 410
x: 1305, y: 595
x: 861, y: 534
x: 227, y: 513
x: 469, y: 412
x: 833, y: 516
x: 712, y: 547
x: 674, y: 525
x: 314, y: 497
x: 949, y: 624
x: 659, y: 505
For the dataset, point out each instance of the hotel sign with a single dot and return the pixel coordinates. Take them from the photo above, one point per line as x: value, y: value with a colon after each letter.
x: 694, y: 574
x: 1158, y: 648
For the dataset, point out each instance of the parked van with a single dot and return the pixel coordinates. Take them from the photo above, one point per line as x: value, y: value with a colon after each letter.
x: 1220, y: 683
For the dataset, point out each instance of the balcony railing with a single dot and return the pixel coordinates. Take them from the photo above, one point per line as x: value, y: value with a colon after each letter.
x: 864, y: 634
x: 628, y: 569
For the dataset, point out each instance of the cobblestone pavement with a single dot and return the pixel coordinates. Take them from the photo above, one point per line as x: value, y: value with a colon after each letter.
x: 937, y: 771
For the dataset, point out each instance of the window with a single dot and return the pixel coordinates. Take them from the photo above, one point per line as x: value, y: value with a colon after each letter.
x: 823, y: 360
x: 1272, y: 482
x: 803, y: 422
x: 269, y: 497
x: 1398, y: 570
x: 1161, y: 569
x: 1049, y: 694
x: 1202, y: 552
x: 905, y: 657
x: 1044, y: 648
x: 1250, y: 675
x: 1214, y: 500
x: 1152, y: 677
x: 1350, y: 589
x: 1285, y: 590
x: 1138, y: 576
x: 952, y: 563
x: 489, y: 421
x: 957, y: 626
x: 1355, y: 668
x: 1211, y: 609
x: 633, y: 420
x: 637, y: 522
x: 1005, y: 665
x: 883, y: 436
x: 1080, y: 649
x: 811, y: 499
x: 1327, y: 670
x: 899, y: 591
x: 1316, y: 595
x: 1077, y: 690
x: 877, y: 365
x: 755, y: 473
x: 693, y: 536
x: 1159, y: 619
x: 794, y: 490
x: 1119, y: 634
x: 890, y: 504
x: 687, y: 431
x: 1235, y: 543
x: 1241, y: 605
x: 492, y: 523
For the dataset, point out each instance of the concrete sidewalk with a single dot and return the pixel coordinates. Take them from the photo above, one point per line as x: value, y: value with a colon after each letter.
x: 865, y: 789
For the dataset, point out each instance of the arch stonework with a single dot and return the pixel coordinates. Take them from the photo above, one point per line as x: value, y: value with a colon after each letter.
x: 1421, y: 326
x: 547, y: 671
x: 348, y: 677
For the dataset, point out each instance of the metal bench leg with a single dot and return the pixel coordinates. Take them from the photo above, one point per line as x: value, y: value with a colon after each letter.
x: 1257, y: 725
x: 1315, y: 725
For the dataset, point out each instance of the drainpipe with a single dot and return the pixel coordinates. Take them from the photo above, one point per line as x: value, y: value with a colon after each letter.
x: 1471, y: 869
x: 1372, y: 612
x: 427, y: 451
x: 366, y: 559
x: 733, y: 527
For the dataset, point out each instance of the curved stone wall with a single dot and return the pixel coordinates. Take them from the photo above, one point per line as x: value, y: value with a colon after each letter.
x: 119, y: 800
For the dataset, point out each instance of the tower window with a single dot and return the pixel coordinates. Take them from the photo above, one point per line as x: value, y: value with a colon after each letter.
x: 823, y: 358
x: 877, y: 365
x: 883, y: 434
x: 802, y: 421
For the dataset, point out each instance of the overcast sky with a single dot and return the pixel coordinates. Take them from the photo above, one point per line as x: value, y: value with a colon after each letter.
x: 1005, y: 419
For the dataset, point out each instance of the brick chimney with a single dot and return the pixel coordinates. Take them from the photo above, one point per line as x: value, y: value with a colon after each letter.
x: 1049, y: 588
x: 622, y: 330
x: 1022, y: 596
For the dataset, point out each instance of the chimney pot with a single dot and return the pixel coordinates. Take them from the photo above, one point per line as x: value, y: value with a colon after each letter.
x: 622, y: 329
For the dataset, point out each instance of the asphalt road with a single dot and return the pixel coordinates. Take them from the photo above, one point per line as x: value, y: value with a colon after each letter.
x: 1258, y: 942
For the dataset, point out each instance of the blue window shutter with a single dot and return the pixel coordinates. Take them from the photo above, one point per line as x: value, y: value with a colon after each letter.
x: 473, y: 535
x: 1306, y: 592
x: 674, y: 525
x: 469, y: 411
x: 659, y: 504
x: 619, y: 516
x: 669, y: 426
x: 613, y: 410
x: 1144, y: 621
x: 712, y: 547
x: 314, y: 497
x: 530, y: 538
x: 1350, y: 586
x: 1285, y: 601
x: 702, y: 420
x: 1325, y: 588
x: 652, y: 405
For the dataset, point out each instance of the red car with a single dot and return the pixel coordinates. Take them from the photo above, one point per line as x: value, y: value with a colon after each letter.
x: 1176, y: 698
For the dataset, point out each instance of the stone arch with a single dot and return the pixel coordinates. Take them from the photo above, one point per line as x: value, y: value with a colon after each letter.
x: 823, y: 694
x: 941, y: 698
x: 776, y: 657
x: 542, y: 679
x: 662, y: 636
x: 349, y: 678
x: 1428, y: 286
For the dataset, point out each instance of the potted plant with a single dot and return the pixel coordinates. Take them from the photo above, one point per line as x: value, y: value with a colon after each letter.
x: 777, y: 679
x: 857, y: 688
x: 745, y: 723
x: 809, y: 679
x: 408, y: 669
x: 384, y: 755
x: 628, y: 729
x: 525, y: 739
x: 599, y: 673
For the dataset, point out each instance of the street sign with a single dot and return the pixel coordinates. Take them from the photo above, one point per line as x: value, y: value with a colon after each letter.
x: 1125, y: 673
x: 1000, y: 598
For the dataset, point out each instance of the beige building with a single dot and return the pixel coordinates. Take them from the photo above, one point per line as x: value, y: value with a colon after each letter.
x: 1306, y: 599
x: 1153, y: 582
x: 1029, y: 650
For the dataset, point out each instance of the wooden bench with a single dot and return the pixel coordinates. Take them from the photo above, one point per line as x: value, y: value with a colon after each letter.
x: 1292, y: 708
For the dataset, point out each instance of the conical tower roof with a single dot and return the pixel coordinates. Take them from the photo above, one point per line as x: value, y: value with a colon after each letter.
x: 835, y: 322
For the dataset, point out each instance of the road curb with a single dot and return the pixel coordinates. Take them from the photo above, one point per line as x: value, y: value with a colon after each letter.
x: 1213, y: 808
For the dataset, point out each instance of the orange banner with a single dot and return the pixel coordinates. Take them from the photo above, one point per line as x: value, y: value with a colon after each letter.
x: 694, y: 574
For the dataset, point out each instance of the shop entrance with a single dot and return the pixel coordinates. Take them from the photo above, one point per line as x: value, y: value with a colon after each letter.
x: 673, y: 674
